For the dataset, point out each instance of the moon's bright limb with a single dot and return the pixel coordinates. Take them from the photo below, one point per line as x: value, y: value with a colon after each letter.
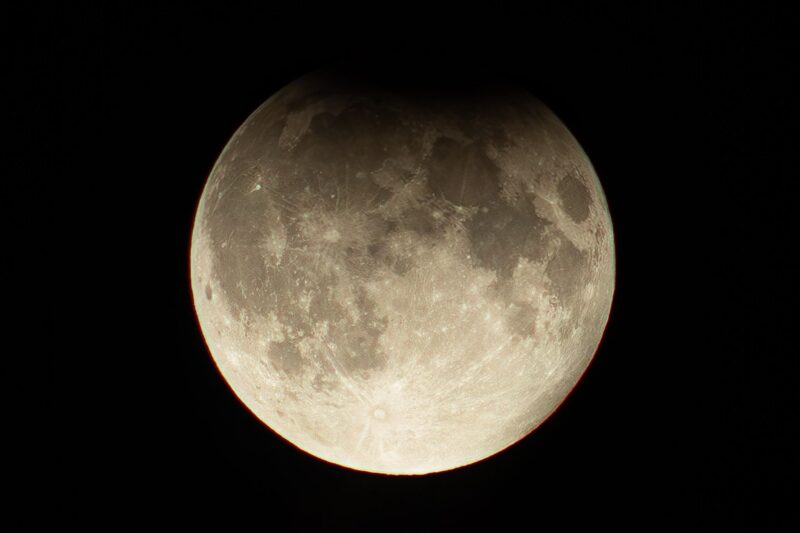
x: 401, y: 283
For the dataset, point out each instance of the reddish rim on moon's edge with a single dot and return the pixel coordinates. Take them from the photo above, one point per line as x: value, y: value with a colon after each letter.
x: 613, y: 270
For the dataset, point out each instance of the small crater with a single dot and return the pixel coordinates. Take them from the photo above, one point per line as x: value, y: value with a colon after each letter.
x: 379, y: 413
x: 332, y: 235
x: 209, y: 293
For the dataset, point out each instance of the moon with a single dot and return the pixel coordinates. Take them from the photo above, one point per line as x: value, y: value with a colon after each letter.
x: 399, y: 281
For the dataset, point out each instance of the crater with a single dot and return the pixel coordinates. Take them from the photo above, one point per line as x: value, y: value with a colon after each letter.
x: 331, y: 235
x: 209, y: 293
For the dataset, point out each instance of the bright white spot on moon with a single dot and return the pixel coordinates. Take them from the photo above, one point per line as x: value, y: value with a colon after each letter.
x: 332, y: 235
x: 418, y: 283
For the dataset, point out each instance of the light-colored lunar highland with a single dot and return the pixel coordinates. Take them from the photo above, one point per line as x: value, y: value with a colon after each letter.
x: 401, y: 283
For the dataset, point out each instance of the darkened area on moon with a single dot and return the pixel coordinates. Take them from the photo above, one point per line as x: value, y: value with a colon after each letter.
x: 440, y: 253
x: 682, y: 417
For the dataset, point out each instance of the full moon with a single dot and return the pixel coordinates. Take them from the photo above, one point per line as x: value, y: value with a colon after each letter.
x: 400, y: 281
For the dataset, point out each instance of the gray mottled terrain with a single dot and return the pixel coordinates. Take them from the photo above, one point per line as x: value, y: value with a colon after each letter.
x: 398, y: 282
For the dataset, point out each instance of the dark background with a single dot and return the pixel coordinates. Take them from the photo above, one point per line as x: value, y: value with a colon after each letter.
x: 682, y: 419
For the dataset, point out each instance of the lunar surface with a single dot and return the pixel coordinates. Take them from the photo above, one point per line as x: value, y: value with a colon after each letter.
x: 400, y: 282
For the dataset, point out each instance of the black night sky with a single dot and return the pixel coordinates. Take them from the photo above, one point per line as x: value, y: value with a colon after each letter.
x: 682, y: 418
